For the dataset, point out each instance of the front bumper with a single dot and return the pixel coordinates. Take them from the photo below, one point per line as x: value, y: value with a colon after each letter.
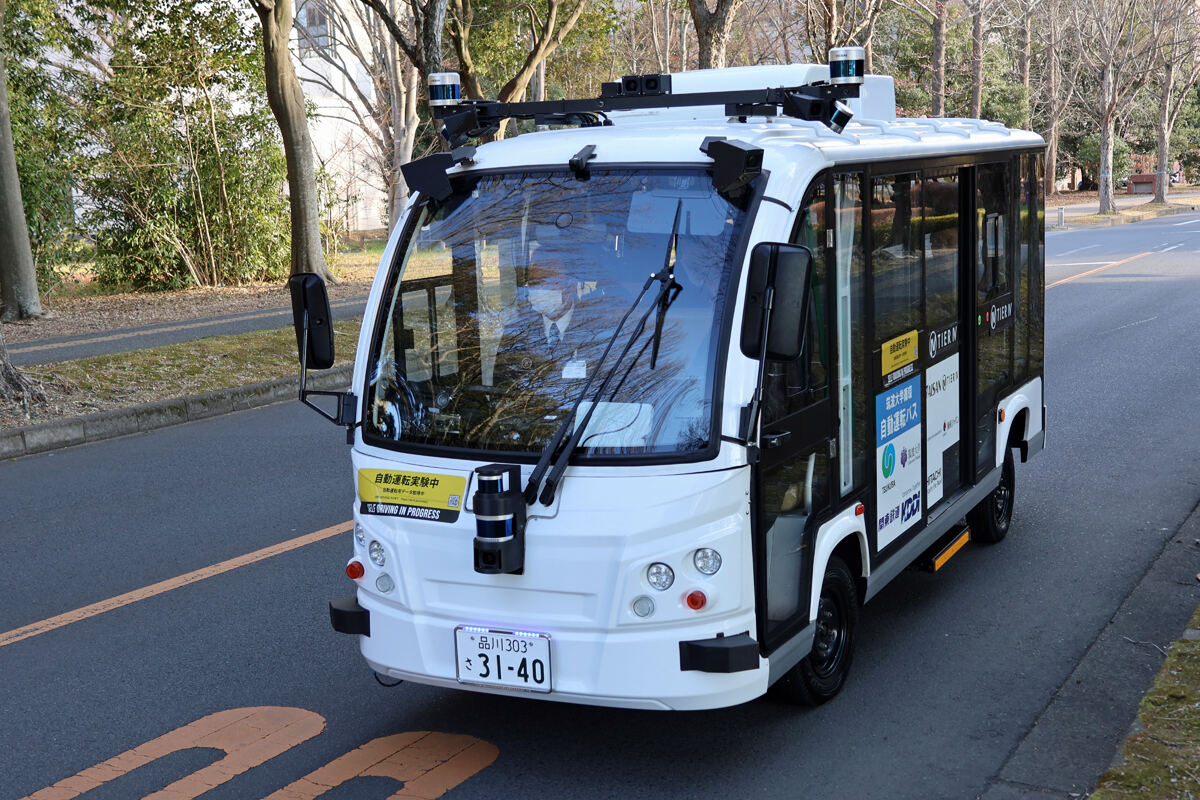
x: 675, y: 668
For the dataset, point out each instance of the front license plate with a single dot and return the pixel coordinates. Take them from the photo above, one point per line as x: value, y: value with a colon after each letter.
x: 512, y: 659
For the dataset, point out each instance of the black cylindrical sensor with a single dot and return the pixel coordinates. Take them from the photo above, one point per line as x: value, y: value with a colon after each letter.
x: 499, y: 507
x: 840, y: 116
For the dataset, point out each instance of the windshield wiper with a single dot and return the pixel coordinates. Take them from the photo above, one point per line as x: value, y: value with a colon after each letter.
x: 535, y: 477
x: 666, y: 279
x: 666, y: 298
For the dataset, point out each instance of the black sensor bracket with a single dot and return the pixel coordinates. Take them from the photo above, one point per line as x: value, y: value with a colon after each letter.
x: 470, y: 119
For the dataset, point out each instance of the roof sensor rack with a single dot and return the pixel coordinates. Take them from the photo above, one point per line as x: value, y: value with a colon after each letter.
x: 462, y: 120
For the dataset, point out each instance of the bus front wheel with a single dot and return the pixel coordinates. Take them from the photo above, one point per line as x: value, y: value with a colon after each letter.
x: 990, y: 519
x: 821, y: 674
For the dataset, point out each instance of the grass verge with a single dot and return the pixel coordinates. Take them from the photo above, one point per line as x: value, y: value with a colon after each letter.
x: 1162, y: 761
x: 119, y: 380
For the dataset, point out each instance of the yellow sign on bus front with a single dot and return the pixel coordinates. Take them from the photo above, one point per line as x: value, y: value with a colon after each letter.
x: 398, y: 493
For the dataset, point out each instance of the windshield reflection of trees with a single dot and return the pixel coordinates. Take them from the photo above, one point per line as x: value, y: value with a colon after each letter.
x: 464, y: 361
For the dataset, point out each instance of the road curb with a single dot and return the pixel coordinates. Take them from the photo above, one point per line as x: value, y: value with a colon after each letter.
x: 47, y: 436
x: 1121, y: 218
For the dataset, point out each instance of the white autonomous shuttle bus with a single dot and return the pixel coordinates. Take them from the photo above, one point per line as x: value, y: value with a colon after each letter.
x: 647, y: 405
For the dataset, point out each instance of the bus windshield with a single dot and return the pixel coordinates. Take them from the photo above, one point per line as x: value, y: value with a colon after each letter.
x: 507, y: 292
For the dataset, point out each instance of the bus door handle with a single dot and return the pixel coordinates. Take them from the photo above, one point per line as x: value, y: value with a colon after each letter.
x: 775, y: 439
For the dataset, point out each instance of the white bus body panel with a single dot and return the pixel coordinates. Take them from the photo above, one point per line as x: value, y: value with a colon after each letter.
x: 586, y: 560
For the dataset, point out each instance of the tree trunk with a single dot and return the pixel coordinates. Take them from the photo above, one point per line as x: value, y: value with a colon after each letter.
x: 404, y: 138
x: 1107, y: 128
x: 286, y: 99
x: 712, y: 31
x: 977, y: 59
x: 15, y: 387
x: 433, y: 22
x: 460, y: 33
x: 1025, y: 46
x: 18, y: 277
x: 1053, y: 114
x: 1161, y: 178
x: 1051, y: 159
x: 937, y: 86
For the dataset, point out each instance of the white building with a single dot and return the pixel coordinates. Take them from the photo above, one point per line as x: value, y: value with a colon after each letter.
x: 336, y: 82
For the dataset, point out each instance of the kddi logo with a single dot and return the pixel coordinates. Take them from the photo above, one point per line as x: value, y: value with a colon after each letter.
x: 999, y: 314
x: 939, y: 340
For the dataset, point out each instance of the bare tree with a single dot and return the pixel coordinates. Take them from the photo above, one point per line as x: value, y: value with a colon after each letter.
x: 1055, y: 82
x: 1178, y: 68
x: 429, y: 19
x: 547, y: 33
x: 985, y: 15
x: 18, y: 276
x: 832, y: 23
x: 286, y: 99
x: 384, y: 108
x: 1117, y: 40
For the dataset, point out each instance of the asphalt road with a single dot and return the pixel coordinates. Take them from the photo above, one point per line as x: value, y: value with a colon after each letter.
x: 1006, y: 675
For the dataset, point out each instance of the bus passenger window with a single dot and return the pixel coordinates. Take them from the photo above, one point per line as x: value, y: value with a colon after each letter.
x: 992, y: 267
x: 941, y: 248
x: 895, y: 255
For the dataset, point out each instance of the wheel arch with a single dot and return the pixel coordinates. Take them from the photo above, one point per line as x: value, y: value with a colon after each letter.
x: 846, y: 537
x: 1019, y: 418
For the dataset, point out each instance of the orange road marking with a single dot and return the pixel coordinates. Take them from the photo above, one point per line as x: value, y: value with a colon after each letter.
x: 428, y: 764
x: 1098, y: 269
x: 168, y: 585
x: 248, y: 736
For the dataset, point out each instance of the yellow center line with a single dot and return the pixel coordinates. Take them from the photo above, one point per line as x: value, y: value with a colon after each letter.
x: 79, y: 614
x: 1098, y: 269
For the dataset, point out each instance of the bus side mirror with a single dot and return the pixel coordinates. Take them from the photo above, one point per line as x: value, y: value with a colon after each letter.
x: 777, y: 300
x: 314, y: 325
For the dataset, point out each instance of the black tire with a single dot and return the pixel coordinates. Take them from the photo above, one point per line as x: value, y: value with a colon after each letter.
x: 822, y: 673
x: 990, y: 519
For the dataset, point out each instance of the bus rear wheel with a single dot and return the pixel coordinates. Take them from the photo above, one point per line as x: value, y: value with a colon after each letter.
x: 990, y: 519
x: 821, y: 674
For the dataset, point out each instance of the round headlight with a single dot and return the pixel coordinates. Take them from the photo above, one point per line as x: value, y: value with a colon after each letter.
x: 707, y: 560
x: 660, y: 576
x: 375, y: 551
x: 384, y: 583
x: 360, y: 534
x: 643, y: 606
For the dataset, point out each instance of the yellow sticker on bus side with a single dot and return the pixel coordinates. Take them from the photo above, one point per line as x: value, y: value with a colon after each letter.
x: 415, y: 495
x: 899, y: 351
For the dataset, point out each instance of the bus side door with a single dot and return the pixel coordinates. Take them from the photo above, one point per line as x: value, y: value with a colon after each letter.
x: 792, y: 480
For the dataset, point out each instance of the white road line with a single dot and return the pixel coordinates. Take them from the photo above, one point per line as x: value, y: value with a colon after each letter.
x: 1189, y: 222
x: 1132, y: 324
x: 1079, y: 249
x: 1169, y: 249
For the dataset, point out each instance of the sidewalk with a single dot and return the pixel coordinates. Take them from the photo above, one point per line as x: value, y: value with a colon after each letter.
x: 1079, y: 215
